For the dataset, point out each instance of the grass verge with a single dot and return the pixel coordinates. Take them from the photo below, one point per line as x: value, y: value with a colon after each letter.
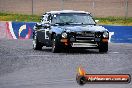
x: 18, y: 17
x: 115, y: 21
x: 36, y: 18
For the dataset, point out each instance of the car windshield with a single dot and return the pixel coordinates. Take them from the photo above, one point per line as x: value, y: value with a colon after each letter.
x: 72, y: 18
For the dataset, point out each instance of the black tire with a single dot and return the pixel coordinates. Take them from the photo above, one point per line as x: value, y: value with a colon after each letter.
x: 55, y: 45
x: 103, y: 47
x: 36, y: 44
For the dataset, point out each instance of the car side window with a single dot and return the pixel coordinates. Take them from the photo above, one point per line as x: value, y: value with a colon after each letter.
x: 49, y: 18
x: 44, y: 18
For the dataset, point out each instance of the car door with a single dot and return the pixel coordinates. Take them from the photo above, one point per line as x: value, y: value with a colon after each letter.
x: 43, y: 32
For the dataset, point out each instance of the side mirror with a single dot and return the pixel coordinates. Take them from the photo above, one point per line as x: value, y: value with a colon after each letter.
x: 46, y: 25
x: 47, y: 22
x: 38, y: 24
x: 96, y: 21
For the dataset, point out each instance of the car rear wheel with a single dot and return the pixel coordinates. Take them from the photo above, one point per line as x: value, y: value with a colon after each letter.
x: 103, y: 47
x: 36, y: 44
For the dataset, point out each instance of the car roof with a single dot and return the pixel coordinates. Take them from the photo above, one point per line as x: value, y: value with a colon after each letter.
x: 67, y: 11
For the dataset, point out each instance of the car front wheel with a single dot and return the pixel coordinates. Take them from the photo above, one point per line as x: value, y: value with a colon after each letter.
x: 55, y: 47
x: 103, y: 47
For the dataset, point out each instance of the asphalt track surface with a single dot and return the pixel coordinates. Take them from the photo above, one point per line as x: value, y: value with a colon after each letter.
x: 23, y: 67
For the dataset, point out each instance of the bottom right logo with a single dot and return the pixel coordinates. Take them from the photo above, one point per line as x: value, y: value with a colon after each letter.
x: 82, y: 77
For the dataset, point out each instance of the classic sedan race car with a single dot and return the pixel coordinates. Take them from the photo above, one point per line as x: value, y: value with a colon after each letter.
x: 68, y: 29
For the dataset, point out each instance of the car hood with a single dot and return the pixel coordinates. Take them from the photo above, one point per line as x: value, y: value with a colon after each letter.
x: 91, y: 28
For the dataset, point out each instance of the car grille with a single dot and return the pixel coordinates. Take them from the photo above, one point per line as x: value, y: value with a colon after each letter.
x: 85, y: 35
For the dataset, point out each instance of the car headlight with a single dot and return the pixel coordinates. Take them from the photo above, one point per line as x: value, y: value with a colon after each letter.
x: 64, y: 35
x: 105, y: 34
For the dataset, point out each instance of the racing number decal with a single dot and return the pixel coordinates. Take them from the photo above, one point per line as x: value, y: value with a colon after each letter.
x: 46, y: 33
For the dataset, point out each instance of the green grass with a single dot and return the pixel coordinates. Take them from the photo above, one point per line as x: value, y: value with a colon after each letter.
x: 36, y: 18
x: 19, y: 17
x: 115, y: 21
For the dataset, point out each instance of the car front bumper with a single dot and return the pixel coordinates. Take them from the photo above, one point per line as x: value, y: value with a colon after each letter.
x: 91, y: 43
